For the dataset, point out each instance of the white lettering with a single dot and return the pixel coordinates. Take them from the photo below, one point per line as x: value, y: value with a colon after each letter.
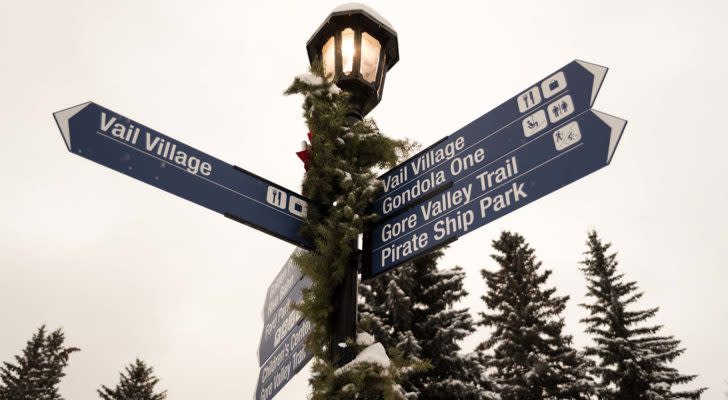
x: 462, y: 164
x: 500, y: 201
x: 396, y: 252
x: 434, y: 156
x: 392, y: 230
x: 446, y: 201
x: 420, y: 188
x: 106, y: 125
x: 448, y: 226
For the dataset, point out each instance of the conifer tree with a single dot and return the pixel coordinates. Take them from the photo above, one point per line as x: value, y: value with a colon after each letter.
x: 411, y: 310
x: 341, y: 183
x: 38, y: 371
x: 137, y: 383
x: 528, y: 354
x: 633, y: 358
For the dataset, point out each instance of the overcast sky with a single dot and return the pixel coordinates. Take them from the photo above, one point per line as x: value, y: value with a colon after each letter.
x: 130, y: 271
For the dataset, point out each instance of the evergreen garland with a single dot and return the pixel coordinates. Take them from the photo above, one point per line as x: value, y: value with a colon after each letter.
x: 633, y: 358
x: 39, y: 370
x: 530, y: 356
x: 341, y: 183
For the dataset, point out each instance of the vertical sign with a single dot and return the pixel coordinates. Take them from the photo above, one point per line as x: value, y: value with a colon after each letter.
x: 288, y: 276
x: 285, y: 362
x: 282, y: 351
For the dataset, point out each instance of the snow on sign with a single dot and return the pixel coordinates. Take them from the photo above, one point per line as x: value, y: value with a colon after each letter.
x: 557, y: 156
x: 110, y: 139
x: 561, y: 95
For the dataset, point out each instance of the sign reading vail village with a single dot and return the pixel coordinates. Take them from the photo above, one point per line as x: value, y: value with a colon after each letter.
x: 525, y: 148
x: 110, y: 139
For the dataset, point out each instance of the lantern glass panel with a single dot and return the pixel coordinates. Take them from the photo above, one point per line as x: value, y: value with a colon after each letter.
x: 329, y: 56
x: 370, y: 49
x: 347, y: 50
x: 381, y: 76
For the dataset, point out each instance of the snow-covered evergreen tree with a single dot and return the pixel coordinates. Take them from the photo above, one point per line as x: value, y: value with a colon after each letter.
x: 633, y: 358
x: 528, y: 356
x: 137, y: 383
x: 411, y: 310
x: 38, y: 371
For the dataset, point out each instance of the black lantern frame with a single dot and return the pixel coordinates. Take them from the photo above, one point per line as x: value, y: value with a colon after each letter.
x: 365, y: 95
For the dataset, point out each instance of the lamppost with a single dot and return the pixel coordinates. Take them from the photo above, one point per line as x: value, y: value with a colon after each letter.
x: 357, y: 47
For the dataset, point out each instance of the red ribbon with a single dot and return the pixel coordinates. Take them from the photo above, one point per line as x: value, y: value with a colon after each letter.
x: 305, y: 154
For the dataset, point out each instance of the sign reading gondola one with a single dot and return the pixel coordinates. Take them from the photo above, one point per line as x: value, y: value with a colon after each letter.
x: 557, y: 157
x: 546, y: 104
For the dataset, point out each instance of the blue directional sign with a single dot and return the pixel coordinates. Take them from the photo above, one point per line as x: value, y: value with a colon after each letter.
x: 110, y: 139
x: 281, y: 353
x: 283, y: 319
x: 286, y: 279
x: 555, y: 157
x: 546, y: 104
x: 285, y: 362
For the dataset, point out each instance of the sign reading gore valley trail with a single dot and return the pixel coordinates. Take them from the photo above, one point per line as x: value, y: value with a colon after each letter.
x: 126, y: 146
x: 535, y: 143
x: 560, y: 96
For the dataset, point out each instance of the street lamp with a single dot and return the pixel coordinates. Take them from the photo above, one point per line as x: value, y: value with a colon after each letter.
x: 357, y: 47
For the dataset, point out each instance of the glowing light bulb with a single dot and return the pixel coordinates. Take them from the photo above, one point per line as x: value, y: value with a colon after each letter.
x: 347, y: 50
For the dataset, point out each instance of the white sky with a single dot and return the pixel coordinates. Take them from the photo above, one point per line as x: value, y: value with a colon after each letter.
x: 130, y: 271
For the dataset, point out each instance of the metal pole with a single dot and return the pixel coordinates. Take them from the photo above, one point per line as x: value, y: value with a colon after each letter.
x: 344, y: 315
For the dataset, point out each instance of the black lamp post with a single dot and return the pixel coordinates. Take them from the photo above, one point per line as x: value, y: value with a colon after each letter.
x: 357, y: 47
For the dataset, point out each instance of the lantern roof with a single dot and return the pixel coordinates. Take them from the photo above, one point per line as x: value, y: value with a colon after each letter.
x: 365, y: 9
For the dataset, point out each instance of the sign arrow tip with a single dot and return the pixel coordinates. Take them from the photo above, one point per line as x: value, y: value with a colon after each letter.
x: 599, y: 73
x: 62, y: 118
x: 616, y: 126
